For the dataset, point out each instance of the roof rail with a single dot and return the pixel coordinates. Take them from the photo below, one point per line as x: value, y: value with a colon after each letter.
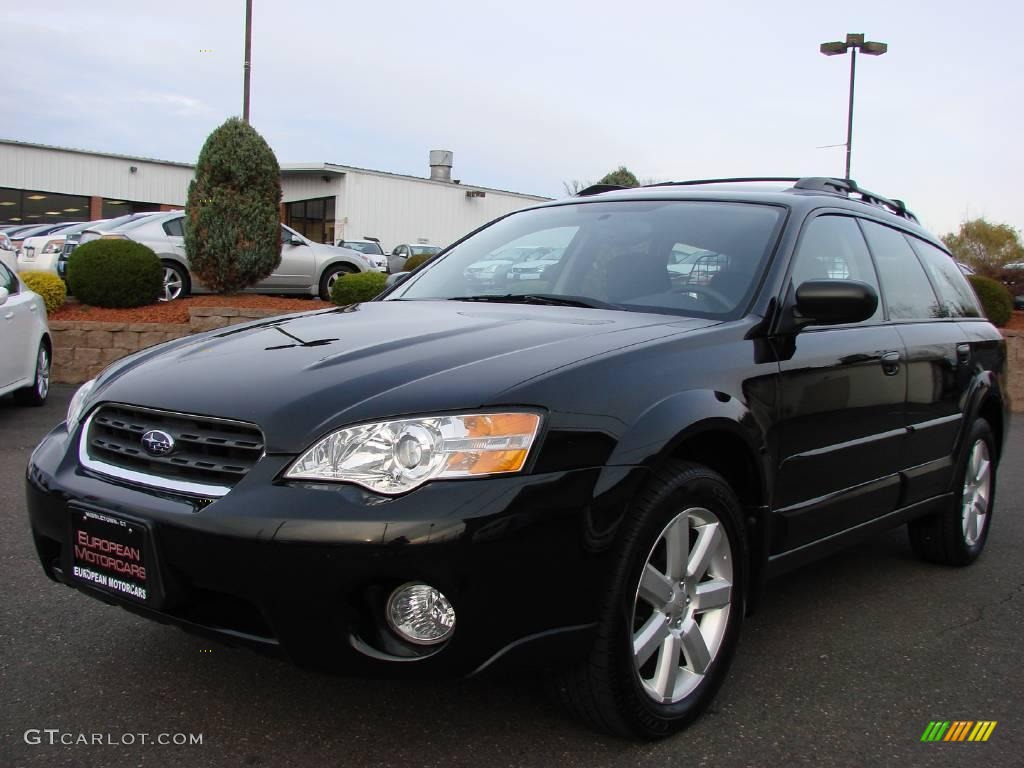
x: 849, y: 187
x: 737, y: 180
x: 597, y: 189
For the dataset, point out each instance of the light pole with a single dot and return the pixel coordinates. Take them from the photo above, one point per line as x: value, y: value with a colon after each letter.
x: 247, y: 67
x: 853, y: 44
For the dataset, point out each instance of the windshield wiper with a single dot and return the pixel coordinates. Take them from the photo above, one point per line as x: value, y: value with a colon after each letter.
x: 549, y: 299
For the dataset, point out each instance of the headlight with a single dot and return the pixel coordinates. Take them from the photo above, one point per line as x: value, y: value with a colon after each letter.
x: 392, y: 457
x: 53, y: 246
x: 78, y: 403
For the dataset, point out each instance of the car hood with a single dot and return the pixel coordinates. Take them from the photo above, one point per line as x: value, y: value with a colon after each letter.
x: 301, y: 376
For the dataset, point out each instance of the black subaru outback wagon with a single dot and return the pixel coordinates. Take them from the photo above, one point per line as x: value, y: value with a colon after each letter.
x: 592, y: 467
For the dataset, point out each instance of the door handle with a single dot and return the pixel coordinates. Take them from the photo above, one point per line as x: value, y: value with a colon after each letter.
x: 32, y: 308
x: 9, y: 316
x: 891, y: 363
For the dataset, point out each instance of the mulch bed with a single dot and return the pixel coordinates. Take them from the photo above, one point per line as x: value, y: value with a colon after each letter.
x: 177, y: 311
x: 1016, y: 322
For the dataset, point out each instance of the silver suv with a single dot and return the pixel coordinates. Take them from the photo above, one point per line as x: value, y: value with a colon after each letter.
x: 306, y: 267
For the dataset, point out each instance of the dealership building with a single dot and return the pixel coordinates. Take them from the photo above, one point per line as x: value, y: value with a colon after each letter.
x: 324, y: 201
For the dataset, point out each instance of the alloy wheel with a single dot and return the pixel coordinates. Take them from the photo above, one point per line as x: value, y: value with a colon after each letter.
x: 173, y: 284
x: 42, y: 373
x: 682, y: 604
x: 977, y: 492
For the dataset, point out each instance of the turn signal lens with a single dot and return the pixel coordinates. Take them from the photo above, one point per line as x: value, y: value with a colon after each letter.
x: 392, y: 457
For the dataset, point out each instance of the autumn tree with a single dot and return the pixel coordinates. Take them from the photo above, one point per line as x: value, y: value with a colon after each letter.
x: 985, y: 246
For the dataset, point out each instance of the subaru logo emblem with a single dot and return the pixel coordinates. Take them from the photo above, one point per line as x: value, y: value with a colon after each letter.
x: 157, y: 443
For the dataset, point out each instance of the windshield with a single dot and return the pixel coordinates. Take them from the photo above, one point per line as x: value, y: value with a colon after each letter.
x: 362, y: 247
x: 693, y: 258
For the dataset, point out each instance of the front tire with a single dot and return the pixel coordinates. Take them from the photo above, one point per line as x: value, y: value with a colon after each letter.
x: 36, y: 393
x: 957, y: 535
x: 331, y: 276
x: 674, y: 610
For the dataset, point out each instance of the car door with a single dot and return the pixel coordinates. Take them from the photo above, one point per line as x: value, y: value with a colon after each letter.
x: 17, y: 340
x: 938, y: 353
x: 397, y: 259
x: 842, y: 399
x: 297, y: 267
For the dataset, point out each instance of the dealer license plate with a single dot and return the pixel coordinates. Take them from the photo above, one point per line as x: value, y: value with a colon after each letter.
x: 110, y: 553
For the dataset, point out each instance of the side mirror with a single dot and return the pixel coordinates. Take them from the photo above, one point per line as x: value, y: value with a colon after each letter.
x: 293, y: 240
x: 4, y: 293
x: 834, y: 302
x: 396, y: 279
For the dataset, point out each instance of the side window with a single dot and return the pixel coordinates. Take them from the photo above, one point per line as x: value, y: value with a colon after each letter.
x: 908, y: 293
x: 954, y: 291
x: 8, y: 280
x: 833, y: 248
x: 175, y: 227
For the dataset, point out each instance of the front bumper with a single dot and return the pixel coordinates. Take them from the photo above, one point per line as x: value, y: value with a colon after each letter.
x: 304, y: 569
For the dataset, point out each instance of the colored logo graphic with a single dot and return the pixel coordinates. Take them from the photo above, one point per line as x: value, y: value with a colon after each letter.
x: 958, y: 730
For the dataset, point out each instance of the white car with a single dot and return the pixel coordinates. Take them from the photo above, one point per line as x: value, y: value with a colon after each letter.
x: 371, y: 251
x: 39, y: 253
x: 306, y: 268
x: 8, y: 253
x: 25, y: 346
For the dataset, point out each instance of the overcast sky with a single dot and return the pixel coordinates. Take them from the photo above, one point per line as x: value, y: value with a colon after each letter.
x: 531, y: 93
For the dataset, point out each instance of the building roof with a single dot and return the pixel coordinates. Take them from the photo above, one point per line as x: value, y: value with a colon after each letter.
x: 289, y: 168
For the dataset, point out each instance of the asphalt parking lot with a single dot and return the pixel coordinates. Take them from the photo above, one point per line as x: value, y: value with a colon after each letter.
x: 845, y: 664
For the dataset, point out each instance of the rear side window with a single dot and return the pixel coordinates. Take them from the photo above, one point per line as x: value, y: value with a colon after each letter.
x: 833, y: 248
x: 908, y: 293
x: 8, y: 280
x: 954, y: 292
x: 174, y: 227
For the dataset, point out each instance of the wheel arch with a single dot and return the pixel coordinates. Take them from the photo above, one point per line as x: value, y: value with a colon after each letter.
x: 985, y: 400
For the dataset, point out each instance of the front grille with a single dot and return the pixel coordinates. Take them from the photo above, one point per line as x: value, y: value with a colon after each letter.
x: 215, y: 453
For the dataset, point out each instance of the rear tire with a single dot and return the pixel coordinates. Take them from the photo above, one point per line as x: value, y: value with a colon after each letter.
x: 36, y: 393
x: 176, y: 281
x: 332, y: 274
x: 671, y: 621
x: 957, y: 535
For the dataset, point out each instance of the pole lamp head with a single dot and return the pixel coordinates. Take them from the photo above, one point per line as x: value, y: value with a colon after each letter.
x: 833, y: 49
x: 874, y: 49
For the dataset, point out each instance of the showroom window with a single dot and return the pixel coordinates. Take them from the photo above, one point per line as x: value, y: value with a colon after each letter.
x: 113, y: 208
x: 25, y: 206
x: 312, y: 218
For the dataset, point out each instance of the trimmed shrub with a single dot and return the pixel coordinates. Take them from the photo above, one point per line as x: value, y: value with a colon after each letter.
x: 415, y: 260
x: 995, y: 298
x: 361, y: 286
x: 49, y: 286
x: 115, y: 273
x: 232, y: 218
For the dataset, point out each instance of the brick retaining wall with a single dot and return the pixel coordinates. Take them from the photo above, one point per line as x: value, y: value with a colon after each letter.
x: 83, y: 348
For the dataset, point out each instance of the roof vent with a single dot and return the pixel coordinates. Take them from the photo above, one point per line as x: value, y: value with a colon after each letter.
x: 441, y: 165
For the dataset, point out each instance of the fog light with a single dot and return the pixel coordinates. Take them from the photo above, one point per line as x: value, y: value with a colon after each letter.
x: 420, y: 614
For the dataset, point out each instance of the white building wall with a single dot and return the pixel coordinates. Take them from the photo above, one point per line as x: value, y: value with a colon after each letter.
x: 404, y: 210
x: 75, y: 173
x: 304, y: 186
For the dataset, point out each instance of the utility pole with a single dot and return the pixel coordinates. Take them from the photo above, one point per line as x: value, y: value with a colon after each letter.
x: 247, y: 68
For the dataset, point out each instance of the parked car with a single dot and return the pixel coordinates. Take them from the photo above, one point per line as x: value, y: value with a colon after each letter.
x: 534, y: 269
x: 25, y: 345
x: 41, y: 253
x: 18, y: 236
x: 8, y: 253
x: 306, y: 267
x: 94, y: 231
x: 401, y: 253
x: 596, y: 479
x: 371, y: 250
x: 493, y: 269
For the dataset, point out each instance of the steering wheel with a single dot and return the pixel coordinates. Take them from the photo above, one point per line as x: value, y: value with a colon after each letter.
x: 723, y: 303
